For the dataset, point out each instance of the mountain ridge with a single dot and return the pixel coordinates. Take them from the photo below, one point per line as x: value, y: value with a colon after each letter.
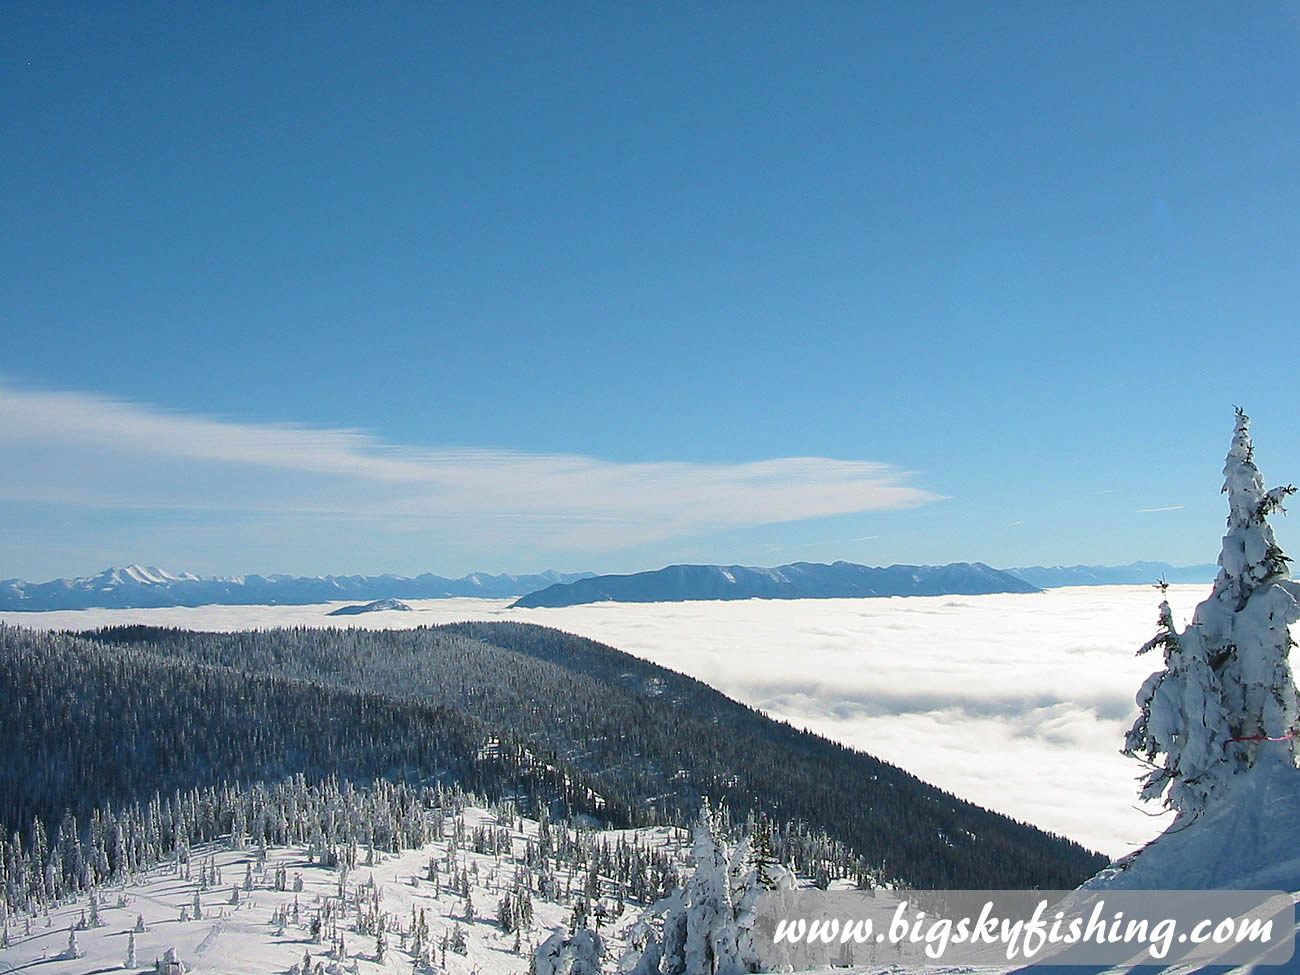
x: 146, y: 587
x: 647, y: 740
x: 1133, y: 574
x: 797, y: 580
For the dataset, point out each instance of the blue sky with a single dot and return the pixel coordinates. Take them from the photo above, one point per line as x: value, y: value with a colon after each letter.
x: 452, y: 287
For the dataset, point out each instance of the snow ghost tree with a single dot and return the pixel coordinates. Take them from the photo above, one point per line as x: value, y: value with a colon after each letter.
x: 576, y: 954
x: 1225, y: 699
x: 73, y: 950
x: 707, y: 926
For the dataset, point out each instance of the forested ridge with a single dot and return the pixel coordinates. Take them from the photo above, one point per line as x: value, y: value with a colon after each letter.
x: 501, y: 708
x: 89, y: 723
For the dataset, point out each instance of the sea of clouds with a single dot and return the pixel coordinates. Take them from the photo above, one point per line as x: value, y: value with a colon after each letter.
x: 1016, y: 702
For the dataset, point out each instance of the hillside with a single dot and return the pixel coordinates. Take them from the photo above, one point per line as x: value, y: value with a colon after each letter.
x: 648, y: 741
x: 1244, y: 840
x: 474, y: 890
x: 799, y: 580
x: 87, y: 724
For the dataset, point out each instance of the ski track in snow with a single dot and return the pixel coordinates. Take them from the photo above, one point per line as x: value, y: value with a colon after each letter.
x: 211, y: 938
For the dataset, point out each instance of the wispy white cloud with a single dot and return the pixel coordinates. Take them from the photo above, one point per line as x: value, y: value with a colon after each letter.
x: 1171, y: 507
x: 84, y: 449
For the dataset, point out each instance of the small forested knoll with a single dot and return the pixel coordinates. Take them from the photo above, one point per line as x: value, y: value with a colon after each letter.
x: 651, y: 742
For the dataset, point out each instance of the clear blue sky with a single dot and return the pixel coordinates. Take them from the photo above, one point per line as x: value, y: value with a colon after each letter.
x: 438, y: 287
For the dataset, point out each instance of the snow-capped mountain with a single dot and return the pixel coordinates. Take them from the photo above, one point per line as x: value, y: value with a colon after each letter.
x: 137, y: 586
x: 799, y: 580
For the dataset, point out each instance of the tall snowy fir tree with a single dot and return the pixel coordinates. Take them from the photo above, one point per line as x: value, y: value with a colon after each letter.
x: 707, y: 924
x: 73, y: 950
x: 1225, y: 700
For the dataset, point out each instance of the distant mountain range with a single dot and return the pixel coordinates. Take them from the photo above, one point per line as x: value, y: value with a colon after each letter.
x: 1133, y: 574
x: 799, y: 580
x: 139, y: 587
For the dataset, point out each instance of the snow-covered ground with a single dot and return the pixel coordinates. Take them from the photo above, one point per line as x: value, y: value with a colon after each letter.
x: 1245, y: 841
x: 1017, y: 702
x: 245, y: 939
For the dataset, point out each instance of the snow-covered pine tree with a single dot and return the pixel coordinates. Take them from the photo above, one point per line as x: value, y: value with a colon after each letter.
x: 576, y: 954
x: 1225, y: 700
x: 130, y: 950
x: 457, y: 942
x: 506, y: 913
x: 1181, y: 723
x: 73, y: 950
x: 238, y: 827
x: 706, y: 924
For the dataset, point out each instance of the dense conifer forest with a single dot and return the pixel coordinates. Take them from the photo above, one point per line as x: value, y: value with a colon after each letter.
x: 114, y: 718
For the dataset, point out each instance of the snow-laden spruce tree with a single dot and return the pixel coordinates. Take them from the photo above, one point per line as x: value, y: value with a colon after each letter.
x: 73, y: 950
x: 1225, y: 700
x: 577, y: 954
x: 707, y: 925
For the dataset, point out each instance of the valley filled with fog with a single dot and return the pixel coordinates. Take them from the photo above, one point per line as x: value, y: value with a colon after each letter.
x: 1016, y: 702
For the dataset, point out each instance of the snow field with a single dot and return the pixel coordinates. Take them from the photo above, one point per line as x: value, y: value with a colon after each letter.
x: 243, y: 938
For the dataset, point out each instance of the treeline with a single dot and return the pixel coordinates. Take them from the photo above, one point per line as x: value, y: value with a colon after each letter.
x: 341, y: 825
x: 113, y: 843
x: 649, y: 743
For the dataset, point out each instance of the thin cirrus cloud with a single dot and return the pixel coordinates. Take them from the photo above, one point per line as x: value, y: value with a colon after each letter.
x: 1149, y: 511
x: 89, y: 450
